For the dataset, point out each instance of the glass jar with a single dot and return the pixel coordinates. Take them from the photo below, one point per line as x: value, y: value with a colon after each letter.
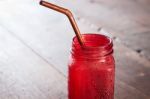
x: 91, y: 68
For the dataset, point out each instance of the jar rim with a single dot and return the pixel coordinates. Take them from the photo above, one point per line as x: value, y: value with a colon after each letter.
x: 108, y: 42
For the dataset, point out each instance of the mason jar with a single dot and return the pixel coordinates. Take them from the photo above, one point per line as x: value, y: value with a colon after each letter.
x: 91, y: 68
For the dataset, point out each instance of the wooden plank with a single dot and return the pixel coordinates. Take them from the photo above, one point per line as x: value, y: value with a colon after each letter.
x: 111, y: 14
x: 49, y: 39
x: 52, y: 40
x: 138, y: 42
x: 125, y: 91
x: 123, y: 18
x: 132, y: 69
x: 24, y: 75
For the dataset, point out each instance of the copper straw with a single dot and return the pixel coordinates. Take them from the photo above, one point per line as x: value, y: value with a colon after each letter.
x: 68, y: 14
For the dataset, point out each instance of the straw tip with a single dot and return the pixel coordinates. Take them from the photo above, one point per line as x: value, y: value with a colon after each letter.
x: 41, y: 2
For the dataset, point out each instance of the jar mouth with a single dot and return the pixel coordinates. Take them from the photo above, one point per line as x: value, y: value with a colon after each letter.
x: 94, y: 41
x: 95, y: 46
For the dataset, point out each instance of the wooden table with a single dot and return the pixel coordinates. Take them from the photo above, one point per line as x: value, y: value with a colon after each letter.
x: 35, y: 45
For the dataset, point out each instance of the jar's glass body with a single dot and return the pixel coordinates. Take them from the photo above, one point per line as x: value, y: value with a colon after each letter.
x: 92, y: 69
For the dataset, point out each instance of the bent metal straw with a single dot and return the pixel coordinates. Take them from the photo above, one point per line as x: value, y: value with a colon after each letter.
x: 68, y: 14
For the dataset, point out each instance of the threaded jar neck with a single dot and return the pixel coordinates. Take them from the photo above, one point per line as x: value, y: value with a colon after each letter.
x: 96, y: 46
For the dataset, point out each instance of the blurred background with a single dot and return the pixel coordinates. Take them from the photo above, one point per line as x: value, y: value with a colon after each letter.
x: 35, y: 45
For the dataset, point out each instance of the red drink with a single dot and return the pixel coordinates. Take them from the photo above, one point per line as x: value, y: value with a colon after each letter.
x: 91, y: 68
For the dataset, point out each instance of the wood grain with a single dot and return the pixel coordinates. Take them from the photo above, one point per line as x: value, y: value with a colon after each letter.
x: 24, y: 75
x: 125, y: 19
